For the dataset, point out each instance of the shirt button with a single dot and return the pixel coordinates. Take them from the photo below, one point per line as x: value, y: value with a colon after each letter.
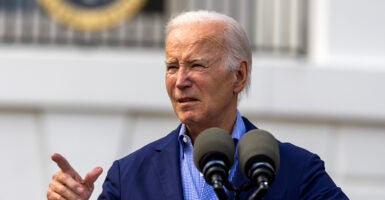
x: 184, y: 139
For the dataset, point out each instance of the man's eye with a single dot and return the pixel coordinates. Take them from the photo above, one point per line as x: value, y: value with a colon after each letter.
x: 197, y: 66
x: 172, y: 68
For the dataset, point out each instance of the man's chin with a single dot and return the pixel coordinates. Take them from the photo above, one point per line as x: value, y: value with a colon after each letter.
x: 187, y: 121
x: 187, y: 118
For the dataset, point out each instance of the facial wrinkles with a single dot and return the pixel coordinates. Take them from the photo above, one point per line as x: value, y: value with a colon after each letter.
x: 203, y: 54
x: 212, y: 40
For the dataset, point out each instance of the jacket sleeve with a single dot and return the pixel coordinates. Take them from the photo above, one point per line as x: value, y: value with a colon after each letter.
x: 316, y: 183
x: 111, y: 185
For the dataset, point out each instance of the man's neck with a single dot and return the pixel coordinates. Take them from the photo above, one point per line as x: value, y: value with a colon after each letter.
x: 195, y: 130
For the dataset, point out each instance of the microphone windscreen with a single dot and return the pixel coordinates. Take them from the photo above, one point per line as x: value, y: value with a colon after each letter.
x: 213, y: 144
x: 258, y: 146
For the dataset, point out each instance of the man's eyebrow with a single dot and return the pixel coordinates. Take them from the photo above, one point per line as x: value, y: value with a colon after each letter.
x: 174, y: 61
x: 170, y: 61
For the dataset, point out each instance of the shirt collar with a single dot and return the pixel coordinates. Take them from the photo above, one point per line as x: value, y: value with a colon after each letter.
x: 238, y: 130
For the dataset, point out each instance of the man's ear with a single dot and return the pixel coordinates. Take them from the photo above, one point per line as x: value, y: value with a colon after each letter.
x: 241, y: 76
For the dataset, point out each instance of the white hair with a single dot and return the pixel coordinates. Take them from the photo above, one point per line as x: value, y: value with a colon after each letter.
x: 237, y: 45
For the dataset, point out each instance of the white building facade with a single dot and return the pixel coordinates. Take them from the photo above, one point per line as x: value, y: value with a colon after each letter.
x: 97, y: 104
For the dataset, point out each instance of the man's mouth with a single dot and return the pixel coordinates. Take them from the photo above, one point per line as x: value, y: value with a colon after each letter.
x: 186, y: 100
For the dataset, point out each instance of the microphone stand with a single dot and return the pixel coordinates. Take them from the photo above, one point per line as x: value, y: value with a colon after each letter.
x: 218, y: 187
x: 257, y: 194
x: 261, y: 189
x: 261, y: 181
x: 218, y: 183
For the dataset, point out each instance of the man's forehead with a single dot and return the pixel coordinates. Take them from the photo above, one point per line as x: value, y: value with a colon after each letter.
x: 195, y: 44
x: 194, y: 53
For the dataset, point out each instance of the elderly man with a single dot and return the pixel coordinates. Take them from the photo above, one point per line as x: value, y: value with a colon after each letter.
x: 208, y: 64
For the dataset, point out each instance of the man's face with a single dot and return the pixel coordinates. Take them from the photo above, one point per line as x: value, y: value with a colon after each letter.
x: 200, y: 86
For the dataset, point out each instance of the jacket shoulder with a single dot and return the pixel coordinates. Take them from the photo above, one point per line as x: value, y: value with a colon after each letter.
x: 147, y: 150
x: 302, y: 175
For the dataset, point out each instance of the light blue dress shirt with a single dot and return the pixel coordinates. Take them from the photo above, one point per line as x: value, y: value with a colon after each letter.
x: 193, y: 183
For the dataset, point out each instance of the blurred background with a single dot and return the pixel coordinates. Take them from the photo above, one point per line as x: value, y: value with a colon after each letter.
x: 86, y: 78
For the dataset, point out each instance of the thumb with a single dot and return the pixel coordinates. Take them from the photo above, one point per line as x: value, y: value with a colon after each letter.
x: 91, y: 176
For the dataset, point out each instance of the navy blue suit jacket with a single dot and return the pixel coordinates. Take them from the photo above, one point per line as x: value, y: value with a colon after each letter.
x: 153, y: 173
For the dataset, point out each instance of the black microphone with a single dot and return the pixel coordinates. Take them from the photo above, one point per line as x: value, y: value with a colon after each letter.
x: 213, y: 156
x: 258, y: 154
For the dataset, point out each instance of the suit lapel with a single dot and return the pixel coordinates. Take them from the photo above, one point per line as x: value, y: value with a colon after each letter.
x: 166, y: 164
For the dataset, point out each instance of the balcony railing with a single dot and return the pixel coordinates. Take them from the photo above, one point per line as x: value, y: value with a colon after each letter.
x: 273, y: 26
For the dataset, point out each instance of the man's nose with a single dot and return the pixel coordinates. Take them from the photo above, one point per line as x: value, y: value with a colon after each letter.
x: 183, y: 78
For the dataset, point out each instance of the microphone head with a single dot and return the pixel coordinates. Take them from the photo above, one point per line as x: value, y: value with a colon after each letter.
x: 213, y: 144
x: 257, y: 146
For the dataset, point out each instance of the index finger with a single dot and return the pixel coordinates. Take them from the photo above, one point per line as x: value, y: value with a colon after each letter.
x: 63, y: 164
